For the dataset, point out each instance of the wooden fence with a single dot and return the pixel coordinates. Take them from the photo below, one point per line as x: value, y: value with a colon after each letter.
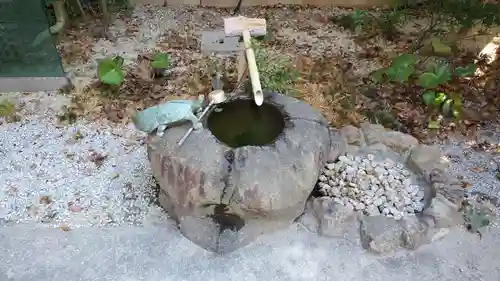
x: 232, y: 3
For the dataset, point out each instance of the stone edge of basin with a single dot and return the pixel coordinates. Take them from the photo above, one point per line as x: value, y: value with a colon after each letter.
x: 380, y: 234
x: 266, y: 186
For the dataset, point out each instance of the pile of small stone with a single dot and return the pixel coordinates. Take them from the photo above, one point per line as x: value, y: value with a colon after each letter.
x: 374, y: 187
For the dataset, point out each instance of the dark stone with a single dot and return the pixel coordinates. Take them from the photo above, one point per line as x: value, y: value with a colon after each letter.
x: 338, y: 145
x: 380, y: 234
x: 415, y: 232
x: 396, y: 141
x: 262, y: 188
x: 448, y: 186
x: 334, y: 219
x: 353, y: 135
x: 443, y: 212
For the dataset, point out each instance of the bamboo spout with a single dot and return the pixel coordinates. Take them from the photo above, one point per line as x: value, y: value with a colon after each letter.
x: 253, y: 70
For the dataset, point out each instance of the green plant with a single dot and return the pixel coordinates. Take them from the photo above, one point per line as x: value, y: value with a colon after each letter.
x: 467, y: 13
x: 8, y: 111
x: 109, y: 71
x: 475, y: 217
x: 389, y: 22
x: 160, y: 61
x: 277, y: 72
x: 404, y: 69
x: 67, y: 115
x: 434, y: 76
x: 386, y: 23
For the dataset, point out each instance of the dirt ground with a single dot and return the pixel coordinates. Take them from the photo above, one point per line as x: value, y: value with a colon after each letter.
x: 334, y: 65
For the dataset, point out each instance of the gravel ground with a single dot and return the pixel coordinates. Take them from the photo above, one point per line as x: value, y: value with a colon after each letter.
x: 477, y: 168
x: 73, y: 175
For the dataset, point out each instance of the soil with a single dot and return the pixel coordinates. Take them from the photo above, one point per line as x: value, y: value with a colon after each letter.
x: 334, y: 64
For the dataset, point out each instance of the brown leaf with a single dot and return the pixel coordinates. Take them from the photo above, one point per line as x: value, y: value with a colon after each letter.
x: 466, y: 184
x: 64, y: 228
x: 143, y: 71
x: 45, y: 200
x: 477, y: 169
x: 97, y: 158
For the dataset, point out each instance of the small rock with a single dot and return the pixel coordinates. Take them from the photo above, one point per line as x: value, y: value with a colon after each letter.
x: 335, y: 219
x: 359, y: 207
x: 323, y: 178
x: 75, y: 208
x: 414, y: 232
x: 338, y: 201
x: 353, y: 135
x: 380, y: 234
x: 445, y: 213
x: 344, y: 191
x: 424, y: 158
x: 407, y: 201
x: 372, y: 210
x: 409, y: 209
x: 349, y: 206
x: 329, y: 173
x: 417, y: 207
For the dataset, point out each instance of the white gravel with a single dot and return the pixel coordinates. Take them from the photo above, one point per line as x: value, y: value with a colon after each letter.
x: 48, y: 173
x: 373, y: 186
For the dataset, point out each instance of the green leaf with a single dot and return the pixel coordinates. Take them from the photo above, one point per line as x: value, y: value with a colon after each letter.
x: 358, y: 17
x: 401, y: 68
x: 428, y: 80
x: 439, y: 48
x: 468, y: 70
x: 378, y: 75
x: 160, y: 60
x: 429, y: 97
x: 447, y: 107
x: 433, y: 124
x: 110, y: 72
x: 440, y: 98
x: 118, y: 61
x: 440, y: 75
x: 443, y: 73
x: 476, y: 219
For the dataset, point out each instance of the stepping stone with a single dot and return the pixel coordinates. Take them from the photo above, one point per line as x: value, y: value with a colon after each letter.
x: 216, y: 41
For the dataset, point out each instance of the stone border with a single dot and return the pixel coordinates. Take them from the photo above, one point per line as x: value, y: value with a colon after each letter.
x: 32, y: 84
x: 383, y: 234
x: 267, y: 186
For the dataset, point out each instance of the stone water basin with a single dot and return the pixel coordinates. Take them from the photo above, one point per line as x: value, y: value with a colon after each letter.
x: 249, y: 171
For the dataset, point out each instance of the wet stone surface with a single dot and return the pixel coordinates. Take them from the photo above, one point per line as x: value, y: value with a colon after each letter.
x: 396, y: 191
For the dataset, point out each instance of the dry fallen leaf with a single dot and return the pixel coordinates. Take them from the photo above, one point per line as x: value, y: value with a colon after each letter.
x: 64, y: 228
x: 97, y: 158
x: 143, y: 71
x: 45, y: 200
x: 466, y: 184
x: 477, y: 169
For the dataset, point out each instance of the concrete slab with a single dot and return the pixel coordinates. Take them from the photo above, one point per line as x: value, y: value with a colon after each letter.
x: 216, y: 41
x: 159, y: 252
x: 31, y: 84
